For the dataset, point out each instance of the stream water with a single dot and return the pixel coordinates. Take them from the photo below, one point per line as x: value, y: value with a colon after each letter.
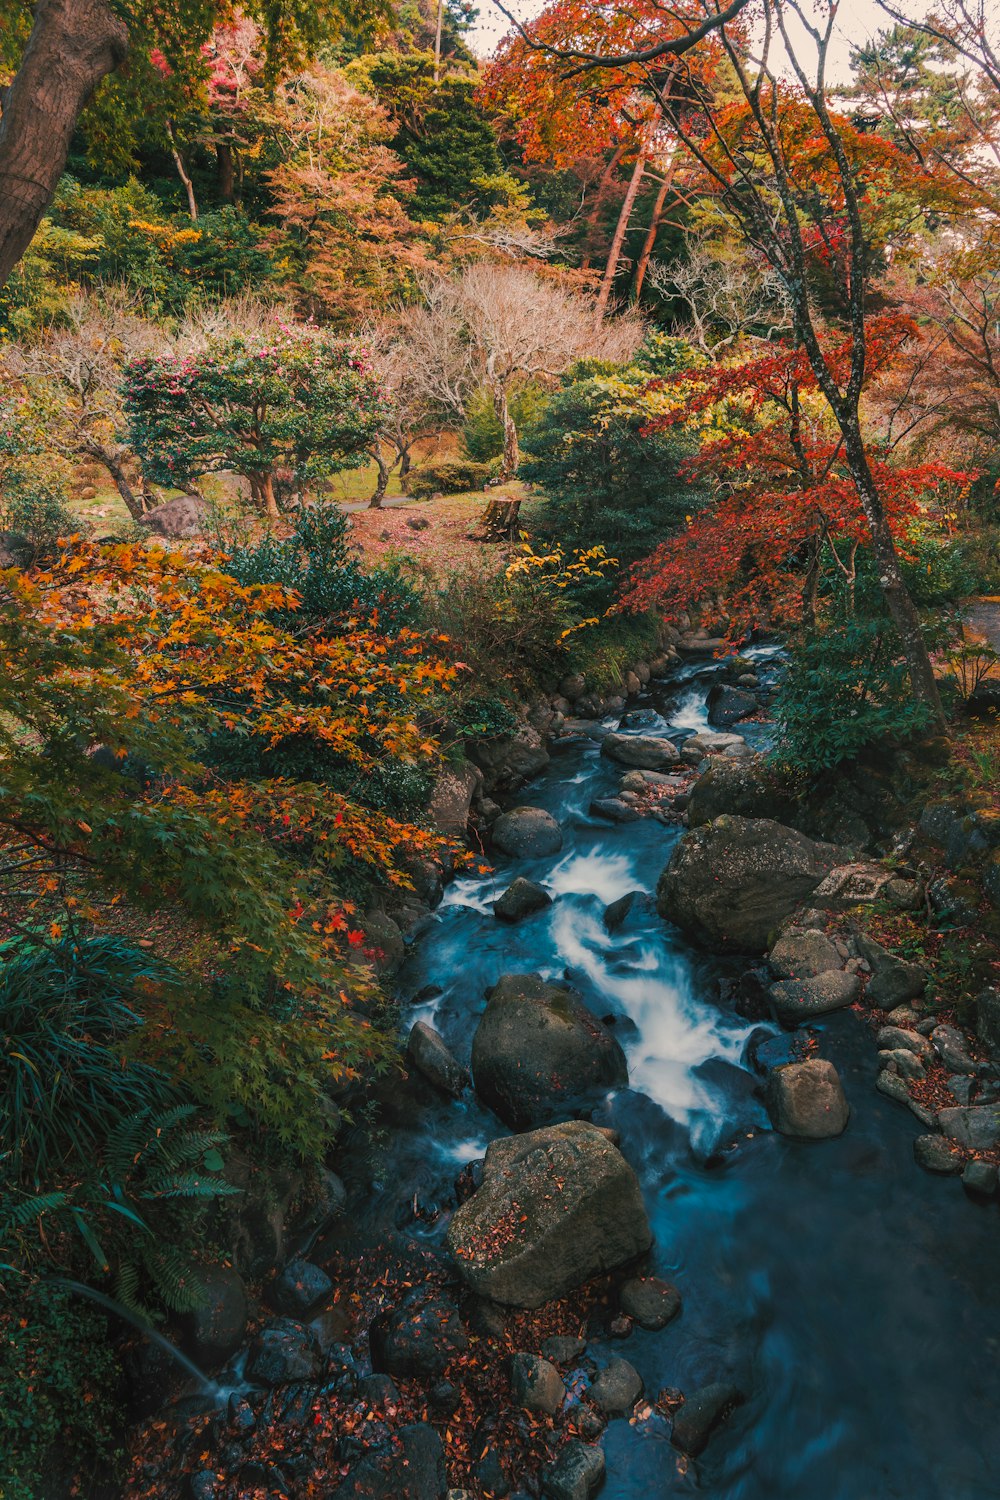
x: 854, y: 1299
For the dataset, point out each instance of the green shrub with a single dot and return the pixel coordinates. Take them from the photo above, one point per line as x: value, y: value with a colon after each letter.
x: 36, y: 508
x: 846, y: 690
x: 608, y: 479
x: 482, y: 434
x: 61, y: 1382
x: 452, y: 476
x: 508, y: 632
x: 606, y: 652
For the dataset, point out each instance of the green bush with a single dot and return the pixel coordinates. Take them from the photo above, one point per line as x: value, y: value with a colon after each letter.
x: 452, y: 476
x: 846, y: 690
x: 61, y: 1383
x: 36, y: 508
x: 606, y: 652
x: 608, y: 479
x: 482, y: 434
x: 508, y: 632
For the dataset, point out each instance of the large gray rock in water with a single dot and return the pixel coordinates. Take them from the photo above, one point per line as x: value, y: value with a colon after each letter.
x: 807, y: 1100
x: 521, y: 899
x: 527, y: 833
x: 427, y: 1051
x: 509, y: 760
x: 536, y: 1384
x: 644, y: 751
x: 181, y: 519
x: 797, y: 1000
x: 733, y: 882
x: 577, y: 1473
x: 538, y: 1047
x: 701, y: 1413
x: 727, y: 705
x: 747, y: 788
x: 556, y: 1207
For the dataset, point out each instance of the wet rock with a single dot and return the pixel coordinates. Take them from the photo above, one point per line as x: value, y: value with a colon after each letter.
x: 562, y: 1349
x: 214, y: 1330
x: 891, y: 1038
x: 652, y: 1303
x: 745, y: 787
x: 556, y: 1207
x: 283, y: 1353
x: 410, y: 1468
x: 490, y: 1477
x: 419, y: 1336
x: 536, y: 1384
x: 537, y: 1047
x: 894, y: 1087
x: 800, y: 999
x: 893, y: 981
x: 976, y: 1127
x: 577, y: 1473
x: 803, y: 955
x: 616, y: 913
x: 379, y: 1393
x: 960, y: 1087
x: 383, y: 936
x: 902, y: 1061
x: 699, y: 746
x: 727, y: 705
x: 807, y: 1100
x: 614, y: 810
x: 527, y: 833
x: 979, y: 1178
x: 644, y: 751
x: 703, y: 1411
x: 509, y: 760
x: 180, y: 519
x: 617, y: 1388
x: 950, y: 1046
x: 937, y: 1154
x: 427, y: 1051
x: 327, y: 1202
x: 202, y: 1485
x: 731, y: 883
x: 454, y: 792
x: 573, y: 687
x: 521, y: 899
x: 301, y: 1289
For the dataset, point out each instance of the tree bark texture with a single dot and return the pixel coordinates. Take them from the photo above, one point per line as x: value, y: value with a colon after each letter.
x: 72, y: 46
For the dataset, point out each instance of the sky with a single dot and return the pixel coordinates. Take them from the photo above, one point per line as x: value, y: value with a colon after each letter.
x: 857, y: 20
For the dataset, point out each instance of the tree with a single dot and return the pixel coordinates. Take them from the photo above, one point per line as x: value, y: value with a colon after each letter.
x: 522, y: 325
x: 69, y: 379
x: 294, y: 400
x: 74, y: 44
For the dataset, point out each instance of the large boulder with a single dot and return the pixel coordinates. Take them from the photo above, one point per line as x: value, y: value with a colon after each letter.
x: 977, y: 1127
x: 537, y: 1047
x: 283, y: 1353
x: 727, y: 705
x: 806, y: 1099
x: 733, y: 882
x: 701, y: 1413
x: 646, y: 752
x: 509, y: 760
x: 181, y: 519
x: 216, y: 1327
x: 894, y: 981
x: 409, y: 1467
x: 796, y: 1000
x: 556, y: 1207
x: 527, y: 833
x: 521, y: 899
x: 451, y: 800
x: 803, y: 954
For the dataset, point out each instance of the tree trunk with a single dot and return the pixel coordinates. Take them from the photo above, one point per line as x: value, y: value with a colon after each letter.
x: 511, y: 447
x: 614, y: 254
x: 893, y: 584
x: 382, y: 483
x: 268, y: 496
x: 134, y: 503
x: 225, y: 172
x: 72, y: 46
x: 405, y: 462
x: 498, y: 522
x: 183, y: 174
x: 437, y: 43
x: 645, y: 254
x: 600, y: 195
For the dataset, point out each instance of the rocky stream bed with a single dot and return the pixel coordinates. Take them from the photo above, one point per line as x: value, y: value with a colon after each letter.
x: 647, y: 1286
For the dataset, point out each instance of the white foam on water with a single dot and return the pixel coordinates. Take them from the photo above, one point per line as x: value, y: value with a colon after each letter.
x: 691, y: 711
x: 606, y: 876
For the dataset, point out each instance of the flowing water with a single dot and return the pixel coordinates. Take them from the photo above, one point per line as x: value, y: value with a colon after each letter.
x: 854, y: 1299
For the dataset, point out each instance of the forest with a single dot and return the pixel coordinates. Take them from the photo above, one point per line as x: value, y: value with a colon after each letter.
x: 499, y: 749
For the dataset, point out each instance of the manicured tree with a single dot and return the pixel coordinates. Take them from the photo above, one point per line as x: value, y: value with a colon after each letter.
x: 295, y: 400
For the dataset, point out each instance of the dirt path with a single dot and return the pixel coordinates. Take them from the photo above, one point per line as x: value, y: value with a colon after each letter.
x: 983, y: 618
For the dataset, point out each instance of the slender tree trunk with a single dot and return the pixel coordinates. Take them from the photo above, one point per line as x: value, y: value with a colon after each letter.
x: 600, y: 196
x: 134, y: 503
x: 437, y: 42
x: 270, y: 499
x: 614, y: 254
x: 72, y: 46
x: 405, y: 462
x: 511, y: 446
x: 225, y: 171
x: 645, y: 254
x: 891, y: 580
x: 382, y: 483
x: 182, y: 173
